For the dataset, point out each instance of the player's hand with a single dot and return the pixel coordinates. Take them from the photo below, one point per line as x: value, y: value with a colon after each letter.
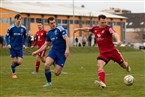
x: 32, y: 46
x: 24, y: 47
x: 75, y: 30
x: 67, y: 52
x: 119, y: 43
x: 9, y: 46
x: 34, y: 53
x: 47, y: 48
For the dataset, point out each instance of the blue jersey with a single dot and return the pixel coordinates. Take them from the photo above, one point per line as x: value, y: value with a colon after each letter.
x: 16, y: 36
x: 56, y: 36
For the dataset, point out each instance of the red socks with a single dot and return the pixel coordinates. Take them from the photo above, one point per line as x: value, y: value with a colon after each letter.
x: 101, y: 75
x: 37, y: 65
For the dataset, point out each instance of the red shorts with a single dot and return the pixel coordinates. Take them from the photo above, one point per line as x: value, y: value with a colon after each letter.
x: 114, y: 55
x: 42, y: 54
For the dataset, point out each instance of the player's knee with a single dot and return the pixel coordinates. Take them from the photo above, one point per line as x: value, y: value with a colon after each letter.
x: 47, y: 66
x: 57, y: 73
x: 99, y: 66
x: 124, y: 65
x: 43, y: 61
x: 19, y: 63
x: 14, y: 62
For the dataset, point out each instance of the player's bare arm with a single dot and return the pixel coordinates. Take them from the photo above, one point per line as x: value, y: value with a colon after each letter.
x: 67, y: 52
x: 35, y: 42
x: 44, y: 46
x: 9, y: 46
x: 24, y: 47
x: 117, y: 38
x: 32, y: 46
x: 86, y: 29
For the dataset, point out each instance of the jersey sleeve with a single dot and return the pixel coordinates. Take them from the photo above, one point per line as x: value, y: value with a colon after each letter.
x: 24, y: 36
x: 62, y: 31
x: 91, y: 29
x: 35, y: 42
x: 7, y: 36
x: 47, y: 37
x: 111, y: 30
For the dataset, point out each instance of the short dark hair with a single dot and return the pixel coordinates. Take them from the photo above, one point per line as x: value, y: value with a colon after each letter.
x: 40, y: 22
x: 50, y: 19
x: 17, y: 16
x: 101, y: 17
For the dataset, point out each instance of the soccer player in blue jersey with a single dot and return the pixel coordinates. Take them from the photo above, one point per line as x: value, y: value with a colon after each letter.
x: 15, y: 39
x: 58, y: 38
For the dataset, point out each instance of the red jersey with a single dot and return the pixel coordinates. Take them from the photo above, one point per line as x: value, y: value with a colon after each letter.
x: 103, y: 38
x: 40, y: 38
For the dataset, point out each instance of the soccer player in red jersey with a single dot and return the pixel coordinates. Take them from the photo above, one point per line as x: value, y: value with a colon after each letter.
x: 104, y: 35
x: 40, y: 40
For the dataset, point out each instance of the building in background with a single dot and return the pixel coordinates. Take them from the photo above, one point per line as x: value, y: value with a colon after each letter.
x: 135, y: 27
x: 116, y: 11
x: 66, y: 16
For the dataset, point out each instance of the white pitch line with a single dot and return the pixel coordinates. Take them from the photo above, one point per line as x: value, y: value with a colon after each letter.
x: 61, y: 72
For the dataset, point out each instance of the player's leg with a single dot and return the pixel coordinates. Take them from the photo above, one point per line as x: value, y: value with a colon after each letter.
x: 126, y: 66
x: 14, y: 64
x: 43, y: 59
x: 102, y: 60
x: 60, y: 61
x: 19, y: 55
x: 13, y: 67
x: 57, y: 70
x: 101, y: 73
x: 48, y: 63
x: 17, y: 60
x: 117, y: 57
x: 39, y: 57
x: 37, y: 65
x: 42, y: 56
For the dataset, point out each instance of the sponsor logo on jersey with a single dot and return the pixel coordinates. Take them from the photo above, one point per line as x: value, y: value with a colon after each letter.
x: 55, y: 32
x: 38, y: 37
x: 22, y: 30
x: 99, y: 38
x: 99, y: 35
x: 52, y: 39
x: 17, y: 34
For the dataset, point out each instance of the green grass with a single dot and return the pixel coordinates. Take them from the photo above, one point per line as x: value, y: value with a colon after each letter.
x: 79, y: 80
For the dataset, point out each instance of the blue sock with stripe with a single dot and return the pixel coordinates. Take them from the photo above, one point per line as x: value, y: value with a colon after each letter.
x: 48, y: 75
x: 13, y: 66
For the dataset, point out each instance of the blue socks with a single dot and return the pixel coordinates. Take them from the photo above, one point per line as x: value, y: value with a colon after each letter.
x: 13, y: 67
x: 48, y: 75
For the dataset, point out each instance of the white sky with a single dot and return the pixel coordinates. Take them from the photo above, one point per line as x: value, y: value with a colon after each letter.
x: 98, y: 6
x: 136, y: 6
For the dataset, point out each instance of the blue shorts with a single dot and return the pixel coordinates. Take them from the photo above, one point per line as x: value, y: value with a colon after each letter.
x: 58, y: 57
x: 16, y: 53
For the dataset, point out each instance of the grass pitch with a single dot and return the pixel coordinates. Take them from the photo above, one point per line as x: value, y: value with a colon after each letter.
x: 77, y: 79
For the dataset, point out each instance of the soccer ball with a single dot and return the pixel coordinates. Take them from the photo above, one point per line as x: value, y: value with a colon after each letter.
x: 129, y: 80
